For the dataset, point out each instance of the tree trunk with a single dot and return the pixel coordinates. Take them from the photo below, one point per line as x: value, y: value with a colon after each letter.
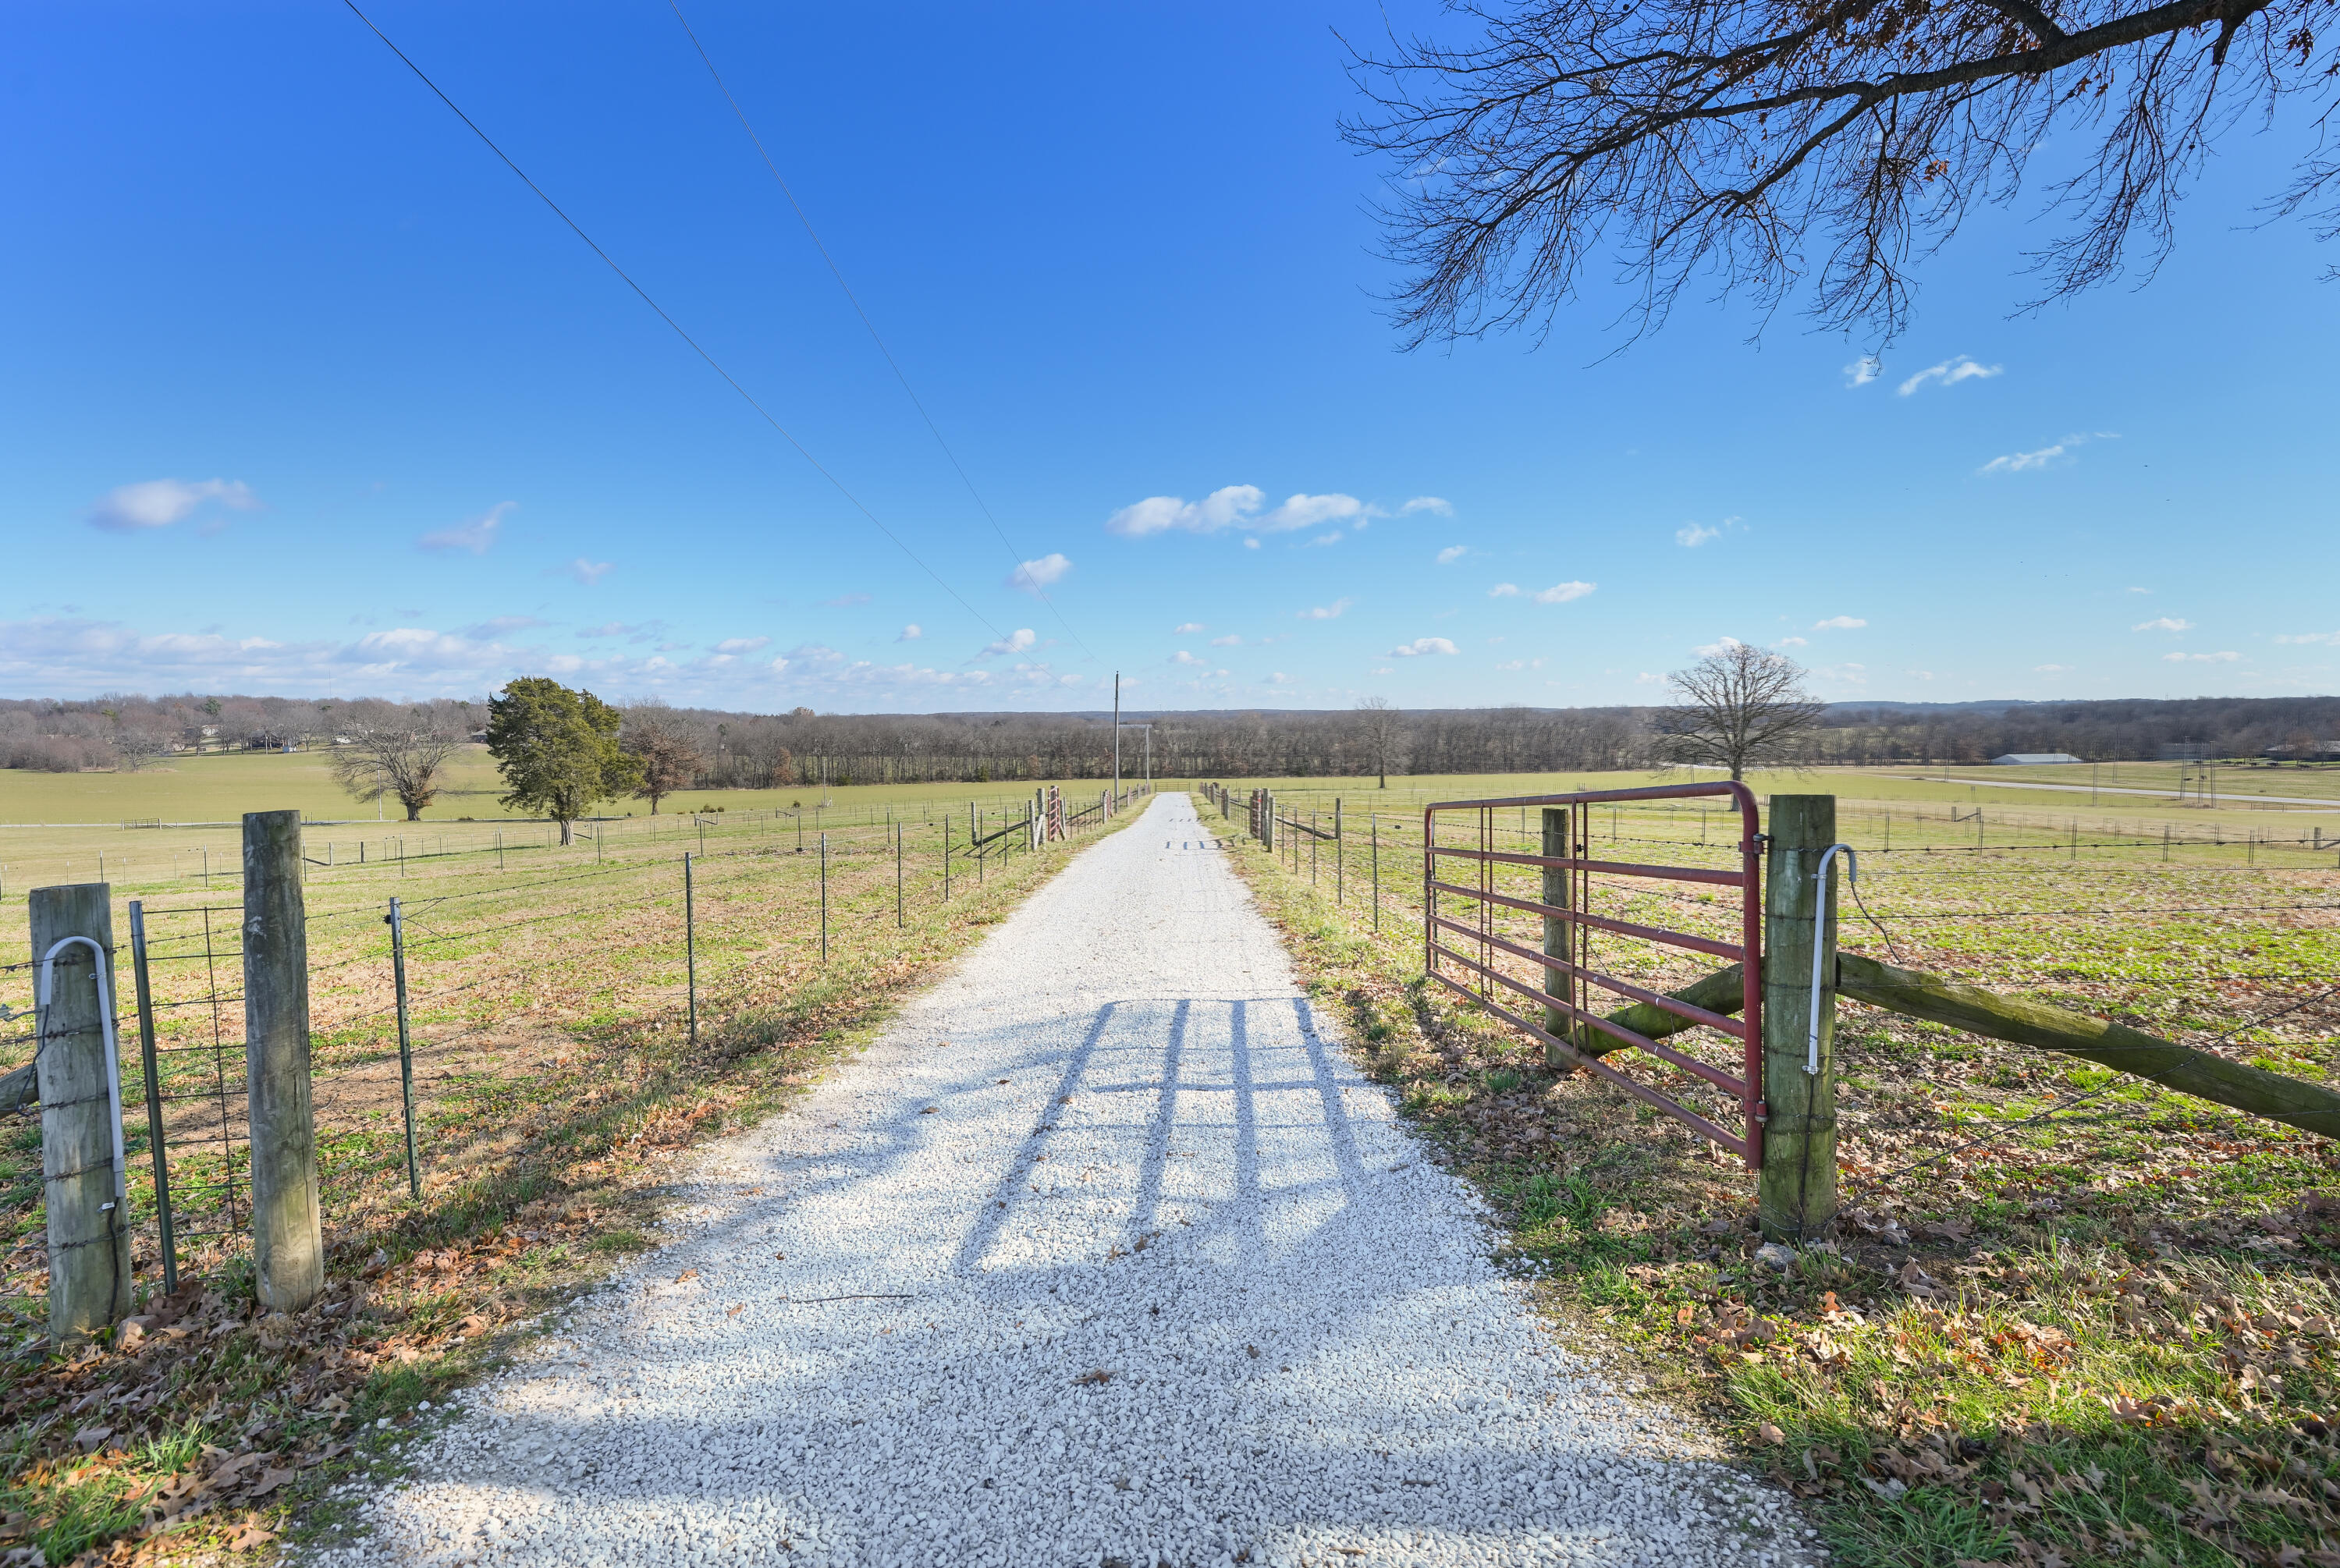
x: 568, y: 832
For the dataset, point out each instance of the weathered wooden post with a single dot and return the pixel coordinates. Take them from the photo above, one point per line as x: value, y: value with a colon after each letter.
x: 81, y: 1109
x: 1558, y: 883
x: 1796, y: 1195
x: 287, y: 1229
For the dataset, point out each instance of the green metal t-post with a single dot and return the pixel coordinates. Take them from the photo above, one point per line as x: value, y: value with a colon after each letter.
x: 690, y: 946
x: 150, y: 1060
x: 397, y: 922
x: 1796, y: 1195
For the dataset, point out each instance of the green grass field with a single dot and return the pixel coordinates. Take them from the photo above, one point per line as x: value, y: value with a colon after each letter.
x: 2070, y: 1316
x: 556, y: 1071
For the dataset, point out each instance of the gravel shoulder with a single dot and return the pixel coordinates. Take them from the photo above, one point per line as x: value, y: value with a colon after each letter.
x: 1103, y: 1255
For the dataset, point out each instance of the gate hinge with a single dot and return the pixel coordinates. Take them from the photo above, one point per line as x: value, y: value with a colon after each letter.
x: 1763, y: 1112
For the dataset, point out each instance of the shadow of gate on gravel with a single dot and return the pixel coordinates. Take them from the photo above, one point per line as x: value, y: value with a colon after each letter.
x: 1208, y: 1053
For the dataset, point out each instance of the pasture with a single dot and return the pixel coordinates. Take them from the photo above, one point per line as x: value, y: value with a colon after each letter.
x: 2069, y: 1316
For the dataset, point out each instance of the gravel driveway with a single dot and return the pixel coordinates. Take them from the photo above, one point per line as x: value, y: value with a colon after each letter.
x: 1102, y: 1255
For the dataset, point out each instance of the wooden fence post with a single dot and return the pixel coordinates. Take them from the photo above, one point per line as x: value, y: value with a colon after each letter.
x: 1796, y: 1195
x: 1558, y: 934
x: 81, y: 1115
x: 287, y: 1229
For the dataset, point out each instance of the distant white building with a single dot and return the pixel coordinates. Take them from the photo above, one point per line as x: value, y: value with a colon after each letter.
x: 2032, y: 758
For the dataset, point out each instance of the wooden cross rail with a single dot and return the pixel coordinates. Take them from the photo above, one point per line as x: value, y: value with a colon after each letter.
x: 2022, y: 1021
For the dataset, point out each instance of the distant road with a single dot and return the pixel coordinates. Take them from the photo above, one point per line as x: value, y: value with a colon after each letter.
x: 2329, y: 803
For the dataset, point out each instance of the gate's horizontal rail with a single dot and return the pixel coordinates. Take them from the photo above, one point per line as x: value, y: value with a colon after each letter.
x: 1715, y: 1076
x: 1567, y: 865
x: 1601, y: 797
x: 1599, y: 922
x: 1704, y: 1128
x: 1616, y: 868
x: 1690, y: 1013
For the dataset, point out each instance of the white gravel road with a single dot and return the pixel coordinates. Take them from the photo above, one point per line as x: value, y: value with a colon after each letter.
x: 1102, y: 1255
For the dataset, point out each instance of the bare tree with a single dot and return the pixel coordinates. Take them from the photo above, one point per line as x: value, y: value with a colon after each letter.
x: 660, y: 742
x: 1738, y: 707
x: 1752, y: 144
x: 1382, y: 729
x: 395, y: 755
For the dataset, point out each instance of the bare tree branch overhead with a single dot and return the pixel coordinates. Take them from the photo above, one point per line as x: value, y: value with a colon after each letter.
x: 1755, y: 144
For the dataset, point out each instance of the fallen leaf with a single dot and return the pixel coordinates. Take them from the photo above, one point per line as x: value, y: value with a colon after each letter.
x: 733, y: 1310
x: 1770, y: 1433
x: 269, y: 1482
x: 251, y: 1538
x: 1100, y: 1375
x: 686, y: 1275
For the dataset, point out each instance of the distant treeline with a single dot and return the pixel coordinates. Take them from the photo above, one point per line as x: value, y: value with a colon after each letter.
x: 801, y: 746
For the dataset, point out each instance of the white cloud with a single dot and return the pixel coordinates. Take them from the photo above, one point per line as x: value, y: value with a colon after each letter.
x: 2162, y: 624
x: 2024, y: 461
x: 742, y: 644
x: 1648, y: 677
x: 1840, y: 623
x: 1794, y: 642
x: 1949, y: 373
x: 607, y: 629
x: 1182, y: 657
x: 1452, y: 553
x: 1017, y: 641
x: 1333, y: 538
x: 1439, y: 505
x: 1504, y: 591
x: 1923, y: 674
x: 1862, y: 370
x: 1521, y: 664
x: 1032, y: 576
x: 1691, y: 535
x: 1313, y: 512
x: 2136, y: 591
x: 2309, y: 637
x: 1327, y: 611
x: 911, y: 633
x: 2226, y: 657
x: 1230, y: 640
x: 2051, y: 670
x: 1562, y: 592
x: 1720, y: 645
x: 474, y: 536
x: 1277, y: 678
x: 1850, y: 674
x: 1250, y: 544
x: 1185, y: 627
x: 588, y: 572
x: 1222, y: 507
x: 1381, y: 669
x: 160, y: 502
x: 1420, y: 646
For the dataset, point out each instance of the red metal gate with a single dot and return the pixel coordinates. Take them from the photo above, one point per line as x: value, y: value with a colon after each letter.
x: 1564, y: 907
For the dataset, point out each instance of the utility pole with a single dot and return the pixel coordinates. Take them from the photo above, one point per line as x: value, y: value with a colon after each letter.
x: 1116, y: 734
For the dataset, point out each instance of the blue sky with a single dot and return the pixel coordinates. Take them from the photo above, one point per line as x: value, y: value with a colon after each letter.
x: 307, y: 394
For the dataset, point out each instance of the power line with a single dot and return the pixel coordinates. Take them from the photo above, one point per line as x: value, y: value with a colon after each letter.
x: 643, y: 295
x: 854, y: 299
